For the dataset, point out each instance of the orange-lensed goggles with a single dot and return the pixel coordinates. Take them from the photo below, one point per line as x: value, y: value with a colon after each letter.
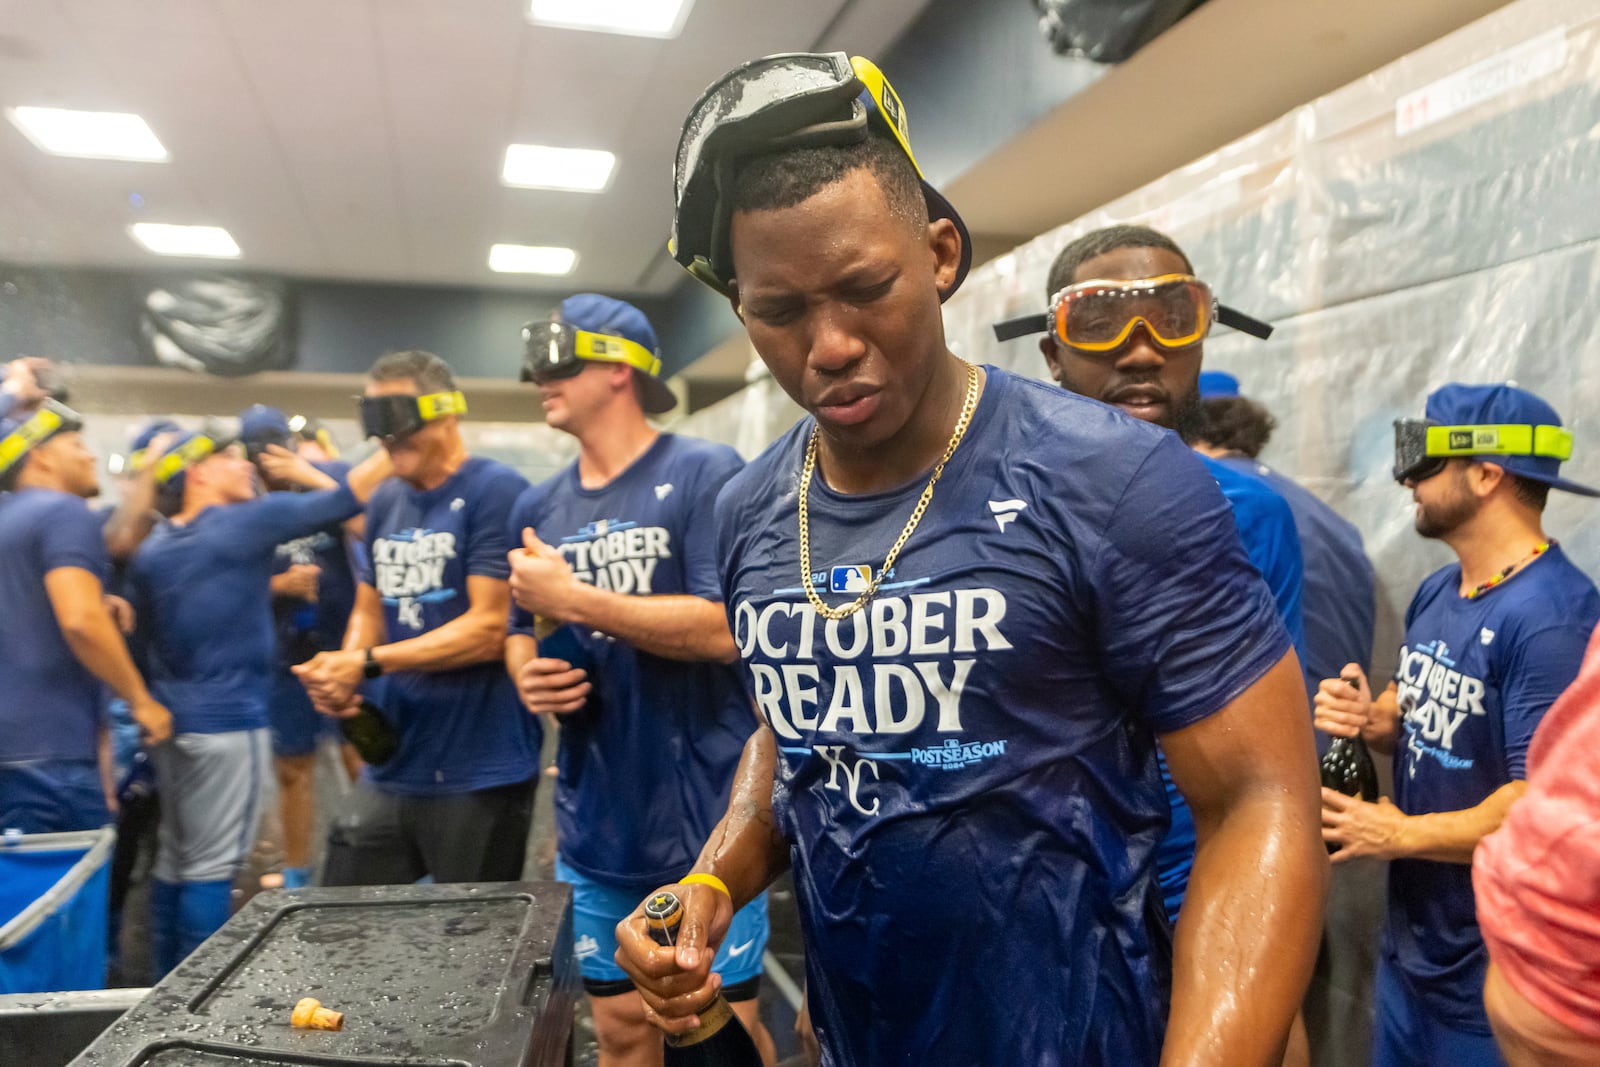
x: 1100, y: 315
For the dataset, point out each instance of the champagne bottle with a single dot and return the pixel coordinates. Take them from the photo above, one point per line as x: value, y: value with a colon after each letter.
x: 370, y: 734
x: 721, y: 1039
x: 1348, y: 768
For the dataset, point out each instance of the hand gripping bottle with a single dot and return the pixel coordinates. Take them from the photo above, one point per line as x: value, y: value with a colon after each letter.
x: 720, y: 1040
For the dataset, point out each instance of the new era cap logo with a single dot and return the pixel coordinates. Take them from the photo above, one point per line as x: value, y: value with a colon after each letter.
x: 1006, y: 511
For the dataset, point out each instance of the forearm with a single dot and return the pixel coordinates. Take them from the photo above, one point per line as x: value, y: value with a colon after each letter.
x: 520, y: 648
x: 462, y: 642
x: 1452, y: 836
x: 1245, y: 943
x: 132, y: 520
x: 687, y: 628
x: 745, y: 849
x: 370, y: 473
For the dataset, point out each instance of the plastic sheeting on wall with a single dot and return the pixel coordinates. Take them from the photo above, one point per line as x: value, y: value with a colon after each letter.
x: 1438, y: 220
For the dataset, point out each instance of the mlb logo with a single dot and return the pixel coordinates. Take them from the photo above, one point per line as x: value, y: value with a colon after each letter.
x: 849, y: 579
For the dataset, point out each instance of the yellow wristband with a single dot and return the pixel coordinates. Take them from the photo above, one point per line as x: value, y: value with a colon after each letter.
x: 706, y: 879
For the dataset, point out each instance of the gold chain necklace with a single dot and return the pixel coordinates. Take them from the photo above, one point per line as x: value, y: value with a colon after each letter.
x: 871, y: 590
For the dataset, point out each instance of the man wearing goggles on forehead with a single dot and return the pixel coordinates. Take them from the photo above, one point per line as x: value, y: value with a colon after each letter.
x: 620, y: 552
x: 59, y: 639
x: 425, y: 642
x: 1490, y: 642
x: 969, y: 604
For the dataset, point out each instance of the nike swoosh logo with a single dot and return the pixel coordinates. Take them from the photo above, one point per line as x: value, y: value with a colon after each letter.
x: 735, y: 951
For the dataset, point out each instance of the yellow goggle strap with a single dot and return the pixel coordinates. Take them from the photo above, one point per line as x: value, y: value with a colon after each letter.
x: 606, y: 349
x: 1552, y: 441
x: 182, y: 458
x: 889, y: 105
x: 16, y: 444
x: 437, y: 405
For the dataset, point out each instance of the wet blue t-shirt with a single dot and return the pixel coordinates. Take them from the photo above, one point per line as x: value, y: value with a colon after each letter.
x: 305, y: 628
x: 967, y: 767
x: 203, y: 596
x: 645, y: 769
x: 49, y: 702
x: 1475, y: 678
x: 460, y: 730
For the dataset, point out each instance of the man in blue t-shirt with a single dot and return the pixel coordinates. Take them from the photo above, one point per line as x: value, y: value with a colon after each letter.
x: 958, y: 760
x: 1112, y: 343
x: 1490, y: 642
x: 313, y: 592
x: 59, y: 639
x: 425, y: 643
x: 620, y: 553
x: 200, y: 585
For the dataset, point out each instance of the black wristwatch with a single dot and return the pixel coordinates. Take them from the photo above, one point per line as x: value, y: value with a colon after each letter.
x: 370, y: 667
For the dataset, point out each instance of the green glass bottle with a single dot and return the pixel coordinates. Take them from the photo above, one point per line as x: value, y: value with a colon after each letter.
x: 721, y: 1039
x: 371, y: 734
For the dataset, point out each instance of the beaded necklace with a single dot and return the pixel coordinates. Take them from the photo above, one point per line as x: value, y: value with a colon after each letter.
x: 1484, y: 587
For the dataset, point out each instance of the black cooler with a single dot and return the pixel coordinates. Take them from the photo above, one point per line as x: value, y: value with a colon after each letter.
x: 480, y: 975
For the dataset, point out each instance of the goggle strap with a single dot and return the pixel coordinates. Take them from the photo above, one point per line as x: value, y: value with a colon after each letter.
x: 1554, y: 442
x: 1022, y: 326
x: 184, y: 456
x: 632, y: 353
x: 41, y: 425
x: 437, y: 405
x: 1238, y: 320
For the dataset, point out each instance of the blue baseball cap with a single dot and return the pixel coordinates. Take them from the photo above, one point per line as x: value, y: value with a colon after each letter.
x: 153, y: 429
x: 261, y: 425
x: 1458, y: 404
x: 1217, y: 383
x: 610, y: 317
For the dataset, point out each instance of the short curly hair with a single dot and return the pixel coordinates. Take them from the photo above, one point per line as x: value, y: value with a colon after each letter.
x: 1235, y: 423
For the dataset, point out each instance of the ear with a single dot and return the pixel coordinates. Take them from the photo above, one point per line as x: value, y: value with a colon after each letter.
x: 1484, y: 478
x: 1052, y: 359
x: 944, y: 241
x: 733, y: 300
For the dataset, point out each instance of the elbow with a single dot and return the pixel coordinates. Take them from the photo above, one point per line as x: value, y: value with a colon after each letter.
x: 723, y: 650
x: 492, y: 643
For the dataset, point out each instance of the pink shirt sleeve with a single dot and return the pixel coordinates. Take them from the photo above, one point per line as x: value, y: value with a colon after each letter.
x: 1537, y: 878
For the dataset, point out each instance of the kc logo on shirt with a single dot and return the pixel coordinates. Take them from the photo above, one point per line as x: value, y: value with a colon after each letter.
x: 408, y: 570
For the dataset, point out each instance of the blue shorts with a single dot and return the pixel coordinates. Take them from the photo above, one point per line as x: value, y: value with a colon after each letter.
x: 597, y: 908
x: 296, y: 725
x: 52, y: 796
x: 1409, y: 1035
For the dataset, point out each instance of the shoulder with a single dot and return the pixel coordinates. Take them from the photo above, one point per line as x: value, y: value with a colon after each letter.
x: 700, y: 451
x: 1553, y: 594
x: 772, y: 473
x: 533, y: 498
x: 492, y: 474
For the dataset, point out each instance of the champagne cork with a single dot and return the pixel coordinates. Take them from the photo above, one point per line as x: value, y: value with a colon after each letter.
x: 309, y: 1014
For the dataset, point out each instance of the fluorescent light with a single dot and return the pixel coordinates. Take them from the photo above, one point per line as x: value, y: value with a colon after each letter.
x: 537, y: 166
x: 638, y: 18
x: 88, y: 134
x: 167, y: 240
x: 531, y: 259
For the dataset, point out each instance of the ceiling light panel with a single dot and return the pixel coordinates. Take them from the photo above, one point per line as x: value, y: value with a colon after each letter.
x: 537, y: 166
x: 637, y: 18
x: 88, y: 134
x: 531, y: 259
x: 212, y: 242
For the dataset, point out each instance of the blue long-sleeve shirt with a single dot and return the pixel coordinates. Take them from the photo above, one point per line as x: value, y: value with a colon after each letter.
x: 202, y: 592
